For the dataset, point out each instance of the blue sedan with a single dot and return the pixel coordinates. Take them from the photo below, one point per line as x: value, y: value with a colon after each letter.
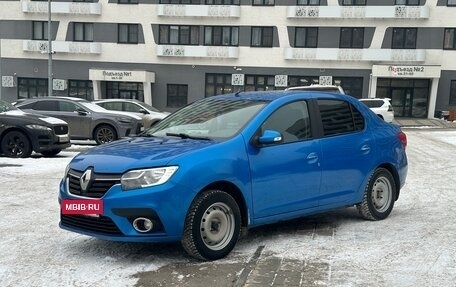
x: 236, y: 161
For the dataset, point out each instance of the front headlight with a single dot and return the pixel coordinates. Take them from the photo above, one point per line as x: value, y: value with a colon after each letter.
x: 147, y: 177
x: 125, y: 120
x: 39, y: 127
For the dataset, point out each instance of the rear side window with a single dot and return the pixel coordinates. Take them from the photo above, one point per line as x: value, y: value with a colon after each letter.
x: 339, y: 117
x: 373, y: 103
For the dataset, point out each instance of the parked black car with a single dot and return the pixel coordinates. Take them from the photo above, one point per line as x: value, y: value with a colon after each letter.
x: 86, y: 120
x: 21, y: 133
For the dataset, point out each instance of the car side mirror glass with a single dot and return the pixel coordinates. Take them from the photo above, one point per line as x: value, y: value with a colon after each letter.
x: 81, y: 112
x: 270, y: 137
x: 143, y: 111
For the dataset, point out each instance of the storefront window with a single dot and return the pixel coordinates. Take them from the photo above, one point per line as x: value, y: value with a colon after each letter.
x: 32, y: 87
x: 177, y: 95
x: 218, y: 84
x: 125, y: 90
x: 80, y: 89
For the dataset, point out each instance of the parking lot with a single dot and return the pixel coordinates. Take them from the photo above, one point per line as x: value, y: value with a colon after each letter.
x: 415, y: 246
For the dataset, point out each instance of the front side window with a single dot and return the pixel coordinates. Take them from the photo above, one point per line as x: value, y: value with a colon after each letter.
x: 353, y: 2
x: 262, y: 36
x: 308, y: 3
x: 351, y: 38
x: 128, y: 33
x: 306, y: 37
x: 263, y: 3
x: 40, y: 30
x: 449, y: 42
x: 178, y: 34
x: 83, y: 32
x: 176, y: 95
x: 453, y: 93
x: 292, y: 121
x: 339, y: 117
x: 404, y: 38
x: 221, y: 36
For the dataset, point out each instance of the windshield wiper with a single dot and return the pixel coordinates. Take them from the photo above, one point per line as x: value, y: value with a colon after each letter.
x: 187, y: 136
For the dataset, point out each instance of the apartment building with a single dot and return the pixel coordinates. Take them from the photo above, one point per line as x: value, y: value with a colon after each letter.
x: 172, y: 52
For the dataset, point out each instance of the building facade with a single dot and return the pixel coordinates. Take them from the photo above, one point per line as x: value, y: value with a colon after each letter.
x: 172, y: 52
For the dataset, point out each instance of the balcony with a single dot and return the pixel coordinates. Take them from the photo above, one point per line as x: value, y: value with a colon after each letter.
x: 62, y: 7
x: 62, y: 47
x: 371, y: 55
x: 391, y: 12
x: 197, y: 51
x: 226, y: 11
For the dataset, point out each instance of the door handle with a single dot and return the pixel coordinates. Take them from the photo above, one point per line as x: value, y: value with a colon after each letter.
x: 312, y: 157
x: 365, y: 149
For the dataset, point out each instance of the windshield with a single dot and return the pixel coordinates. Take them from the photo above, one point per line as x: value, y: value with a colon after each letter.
x: 5, y: 107
x: 208, y: 119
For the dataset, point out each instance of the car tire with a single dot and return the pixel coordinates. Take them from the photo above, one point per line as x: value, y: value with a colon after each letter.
x: 212, y: 226
x: 51, y: 153
x: 379, y: 196
x: 105, y: 134
x: 16, y: 144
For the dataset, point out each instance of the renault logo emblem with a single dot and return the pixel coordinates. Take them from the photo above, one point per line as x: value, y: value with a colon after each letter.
x: 86, y: 179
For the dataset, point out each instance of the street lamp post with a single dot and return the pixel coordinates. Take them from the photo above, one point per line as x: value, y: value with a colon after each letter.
x: 49, y: 50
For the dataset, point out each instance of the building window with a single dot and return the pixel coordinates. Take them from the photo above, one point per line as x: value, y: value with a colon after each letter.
x: 259, y: 83
x: 353, y: 2
x: 127, y: 1
x: 32, y: 88
x: 262, y: 36
x: 40, y: 30
x: 352, y: 86
x: 351, y: 38
x: 306, y: 37
x: 83, y: 32
x: 263, y: 3
x: 176, y: 95
x: 308, y: 3
x: 408, y: 2
x: 125, y: 90
x: 404, y: 38
x: 451, y: 3
x: 80, y: 89
x: 223, y: 2
x: 128, y: 33
x: 182, y: 2
x: 218, y: 84
x: 86, y: 1
x: 296, y: 81
x: 179, y: 35
x: 221, y: 36
x: 449, y: 42
x: 453, y: 93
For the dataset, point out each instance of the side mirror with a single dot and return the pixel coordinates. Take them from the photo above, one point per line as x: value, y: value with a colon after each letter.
x: 81, y: 112
x: 270, y: 137
x: 143, y: 111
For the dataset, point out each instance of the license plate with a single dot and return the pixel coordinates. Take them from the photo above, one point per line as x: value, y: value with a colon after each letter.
x: 82, y: 207
x: 63, y: 139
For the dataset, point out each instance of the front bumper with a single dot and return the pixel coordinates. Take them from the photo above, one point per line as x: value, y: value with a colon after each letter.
x: 166, y: 205
x: 44, y: 140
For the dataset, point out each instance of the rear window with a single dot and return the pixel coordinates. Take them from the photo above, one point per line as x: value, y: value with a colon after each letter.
x: 339, y: 117
x: 373, y: 103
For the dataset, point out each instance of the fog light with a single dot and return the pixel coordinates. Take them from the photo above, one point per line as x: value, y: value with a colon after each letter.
x: 142, y: 224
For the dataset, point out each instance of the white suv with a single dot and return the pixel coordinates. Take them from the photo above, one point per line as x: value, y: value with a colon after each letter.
x: 382, y: 107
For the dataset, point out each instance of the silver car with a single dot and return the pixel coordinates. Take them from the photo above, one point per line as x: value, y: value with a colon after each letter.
x: 149, y: 114
x: 85, y: 119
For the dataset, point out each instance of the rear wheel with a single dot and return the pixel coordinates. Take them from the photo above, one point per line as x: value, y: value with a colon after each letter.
x: 379, y: 196
x: 16, y: 144
x: 212, y: 226
x: 105, y: 134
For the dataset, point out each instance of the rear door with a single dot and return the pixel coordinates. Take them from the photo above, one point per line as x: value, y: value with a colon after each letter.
x: 347, y: 151
x: 286, y: 176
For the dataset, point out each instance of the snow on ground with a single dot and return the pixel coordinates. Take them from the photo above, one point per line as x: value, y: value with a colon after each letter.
x: 415, y: 246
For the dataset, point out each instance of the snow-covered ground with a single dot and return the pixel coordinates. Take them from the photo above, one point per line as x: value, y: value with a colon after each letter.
x: 415, y: 246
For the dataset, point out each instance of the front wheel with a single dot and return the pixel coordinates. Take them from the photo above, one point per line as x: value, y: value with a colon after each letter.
x: 105, y: 134
x: 16, y: 144
x: 212, y: 226
x: 379, y: 196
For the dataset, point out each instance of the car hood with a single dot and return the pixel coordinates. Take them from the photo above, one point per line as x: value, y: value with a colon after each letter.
x: 135, y: 153
x: 32, y: 118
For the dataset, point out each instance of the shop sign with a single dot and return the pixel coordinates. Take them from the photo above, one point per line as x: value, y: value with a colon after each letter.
x: 415, y: 71
x: 116, y: 75
x: 404, y: 71
x: 121, y: 76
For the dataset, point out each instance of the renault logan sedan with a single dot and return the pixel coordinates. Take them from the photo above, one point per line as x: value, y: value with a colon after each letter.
x: 236, y: 161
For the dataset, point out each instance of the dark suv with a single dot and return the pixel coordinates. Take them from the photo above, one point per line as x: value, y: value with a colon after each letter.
x: 85, y: 119
x: 22, y: 133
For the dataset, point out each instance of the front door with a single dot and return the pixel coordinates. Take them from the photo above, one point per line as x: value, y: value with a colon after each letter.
x: 401, y: 100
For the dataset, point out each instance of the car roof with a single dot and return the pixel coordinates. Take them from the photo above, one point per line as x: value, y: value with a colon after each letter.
x: 52, y: 98
x: 276, y: 94
x: 118, y: 100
